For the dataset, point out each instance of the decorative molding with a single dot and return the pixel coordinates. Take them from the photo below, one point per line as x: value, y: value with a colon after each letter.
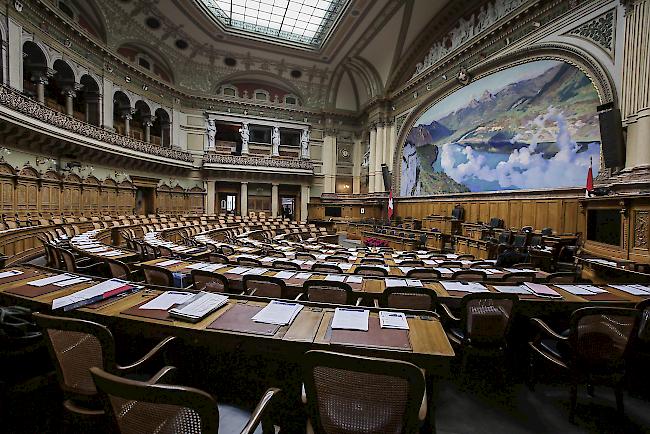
x: 600, y: 31
x: 241, y: 160
x: 16, y: 101
x: 641, y: 229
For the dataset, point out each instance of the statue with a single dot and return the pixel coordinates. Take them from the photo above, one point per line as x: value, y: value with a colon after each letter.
x: 245, y: 136
x: 304, y: 144
x: 211, y: 131
x: 275, y: 140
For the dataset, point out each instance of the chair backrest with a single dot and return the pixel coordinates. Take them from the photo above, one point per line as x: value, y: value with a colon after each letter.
x: 377, y: 261
x: 324, y: 291
x: 118, y: 269
x: 347, y: 394
x: 483, y: 264
x: 155, y: 275
x: 370, y: 270
x: 496, y: 222
x: 521, y: 240
x: 424, y: 273
x: 337, y: 258
x: 68, y: 260
x: 252, y: 262
x: 644, y: 322
x: 142, y: 407
x: 504, y: 237
x: 286, y: 265
x: 209, y: 281
x: 227, y: 250
x: 486, y: 317
x: 409, y: 297
x: 469, y: 275
x: 75, y: 346
x: 454, y: 264
x: 55, y: 258
x: 218, y: 258
x: 305, y: 256
x: 165, y: 252
x: 412, y: 263
x: 562, y: 277
x: 326, y: 268
x: 264, y: 286
x: 527, y: 276
x: 599, y: 338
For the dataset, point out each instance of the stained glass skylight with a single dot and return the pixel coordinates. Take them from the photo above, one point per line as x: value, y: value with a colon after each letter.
x: 305, y: 22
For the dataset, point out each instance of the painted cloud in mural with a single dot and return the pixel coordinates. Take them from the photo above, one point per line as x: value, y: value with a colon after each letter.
x: 529, y: 126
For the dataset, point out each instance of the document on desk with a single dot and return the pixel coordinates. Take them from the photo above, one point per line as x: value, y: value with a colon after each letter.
x: 345, y: 265
x: 257, y: 271
x: 393, y: 320
x: 390, y: 283
x: 167, y: 299
x: 519, y: 270
x: 594, y: 289
x: 442, y: 270
x: 541, y: 290
x: 214, y: 267
x: 284, y: 274
x: 52, y: 279
x: 97, y: 249
x: 303, y: 276
x: 633, y: 289
x: 10, y: 273
x: 278, y: 312
x: 405, y: 270
x: 168, y: 263
x: 95, y: 293
x: 73, y: 281
x: 111, y: 253
x: 199, y: 306
x: 334, y: 278
x: 429, y: 262
x: 512, y: 289
x: 197, y: 266
x: 238, y: 270
x: 464, y: 286
x: 350, y: 319
x: 354, y: 279
x: 575, y: 289
x: 414, y: 283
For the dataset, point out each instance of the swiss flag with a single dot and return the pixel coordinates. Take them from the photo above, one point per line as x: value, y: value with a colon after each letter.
x: 390, y: 204
x: 590, y: 181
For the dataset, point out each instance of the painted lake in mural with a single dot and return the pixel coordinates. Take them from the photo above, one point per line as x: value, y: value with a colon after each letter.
x: 527, y: 127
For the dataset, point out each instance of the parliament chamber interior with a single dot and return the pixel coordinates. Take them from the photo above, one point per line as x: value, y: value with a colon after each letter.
x: 325, y: 216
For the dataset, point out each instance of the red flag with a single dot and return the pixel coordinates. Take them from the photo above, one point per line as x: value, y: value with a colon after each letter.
x: 390, y: 204
x: 590, y: 181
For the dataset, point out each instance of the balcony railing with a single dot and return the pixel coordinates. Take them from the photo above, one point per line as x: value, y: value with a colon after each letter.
x: 27, y: 106
x: 249, y: 160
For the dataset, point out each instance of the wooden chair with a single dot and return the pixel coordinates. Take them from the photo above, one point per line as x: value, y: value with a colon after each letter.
x: 356, y: 394
x: 75, y: 346
x: 209, y: 281
x: 561, y: 277
x: 70, y: 263
x: 324, y: 291
x: 227, y: 250
x: 250, y: 262
x: 326, y: 268
x: 469, y: 275
x: 644, y: 322
x: 153, y: 407
x: 411, y: 263
x: 370, y: 270
x: 120, y: 270
x: 218, y: 258
x: 286, y: 265
x: 483, y: 325
x: 593, y: 352
x: 482, y: 264
x: 372, y: 261
x: 166, y: 252
x: 527, y: 276
x: 155, y: 275
x: 337, y: 258
x: 264, y: 286
x: 424, y: 274
x: 302, y: 256
x: 409, y: 297
x: 452, y: 264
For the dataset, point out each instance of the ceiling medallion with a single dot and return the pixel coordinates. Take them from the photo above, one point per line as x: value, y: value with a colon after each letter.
x: 463, y: 76
x: 18, y: 5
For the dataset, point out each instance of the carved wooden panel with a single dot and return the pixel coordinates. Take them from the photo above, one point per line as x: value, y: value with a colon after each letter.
x: 641, y: 227
x: 6, y: 196
x: 26, y: 198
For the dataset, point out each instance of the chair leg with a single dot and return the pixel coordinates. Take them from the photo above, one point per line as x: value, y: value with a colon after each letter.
x: 574, y: 402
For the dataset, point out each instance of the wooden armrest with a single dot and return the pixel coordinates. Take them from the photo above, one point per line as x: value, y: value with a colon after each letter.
x: 358, y: 302
x: 299, y: 296
x: 147, y: 357
x: 551, y: 358
x: 376, y: 303
x: 166, y: 372
x: 258, y: 413
x: 544, y: 328
x: 448, y: 312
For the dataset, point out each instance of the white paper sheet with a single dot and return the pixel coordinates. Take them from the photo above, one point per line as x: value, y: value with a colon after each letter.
x: 70, y: 282
x: 50, y: 280
x: 238, y: 270
x: 633, y: 289
x: 168, y: 263
x: 350, y: 319
x: 513, y: 289
x: 10, y: 273
x: 575, y: 289
x: 285, y: 274
x: 393, y: 320
x: 198, y: 266
x: 303, y: 276
x: 278, y: 312
x: 414, y: 283
x: 391, y: 283
x: 464, y: 286
x: 335, y: 278
x: 203, y: 303
x: 354, y: 279
x: 167, y: 299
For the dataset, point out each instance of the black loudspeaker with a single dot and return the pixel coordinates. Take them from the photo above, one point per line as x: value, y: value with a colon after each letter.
x: 386, y: 175
x: 611, y: 135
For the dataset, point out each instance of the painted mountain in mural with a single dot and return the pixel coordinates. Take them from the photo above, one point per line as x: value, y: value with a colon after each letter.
x: 524, y: 127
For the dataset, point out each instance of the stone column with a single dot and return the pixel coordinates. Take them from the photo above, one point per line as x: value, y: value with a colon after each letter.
x: 379, y: 158
x: 244, y: 199
x: 165, y: 133
x: 356, y: 165
x: 41, y: 79
x: 127, y: 122
x: 275, y: 199
x: 304, y: 201
x: 635, y: 101
x: 371, y: 159
x: 211, y: 189
x: 70, y: 95
x: 147, y: 123
x: 15, y: 57
x: 329, y: 162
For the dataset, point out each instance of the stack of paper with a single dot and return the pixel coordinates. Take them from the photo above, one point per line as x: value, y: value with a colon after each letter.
x: 393, y: 320
x: 519, y: 270
x: 199, y: 306
x: 633, y: 289
x: 464, y: 286
x: 93, y: 294
x: 576, y: 289
x: 513, y: 289
x: 278, y: 312
x: 391, y: 283
x: 10, y: 273
x: 52, y: 279
x: 542, y: 290
x: 303, y: 276
x: 335, y: 278
x: 238, y: 270
x: 354, y: 279
x: 350, y: 319
x: 257, y: 271
x: 285, y: 274
x: 168, y: 263
x: 414, y: 282
x: 167, y: 299
x: 197, y: 266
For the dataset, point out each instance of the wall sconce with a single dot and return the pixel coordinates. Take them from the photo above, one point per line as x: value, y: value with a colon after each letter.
x: 145, y: 87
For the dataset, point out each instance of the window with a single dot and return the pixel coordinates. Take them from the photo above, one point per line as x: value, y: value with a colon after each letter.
x: 290, y: 100
x: 229, y: 91
x: 261, y: 95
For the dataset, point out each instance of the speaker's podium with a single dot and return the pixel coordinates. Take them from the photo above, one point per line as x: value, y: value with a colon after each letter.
x: 448, y: 225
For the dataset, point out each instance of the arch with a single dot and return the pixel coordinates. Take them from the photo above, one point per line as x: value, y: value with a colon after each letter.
x: 142, y: 108
x: 87, y: 101
x: 161, y: 65
x: 578, y: 58
x: 261, y: 78
x: 35, y: 66
x: 90, y: 17
x: 124, y: 95
x: 122, y: 110
x: 162, y: 127
x: 63, y: 72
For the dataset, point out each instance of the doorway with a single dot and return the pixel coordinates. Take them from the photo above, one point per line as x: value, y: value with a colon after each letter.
x: 228, y: 203
x: 144, y: 201
x: 288, y: 207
